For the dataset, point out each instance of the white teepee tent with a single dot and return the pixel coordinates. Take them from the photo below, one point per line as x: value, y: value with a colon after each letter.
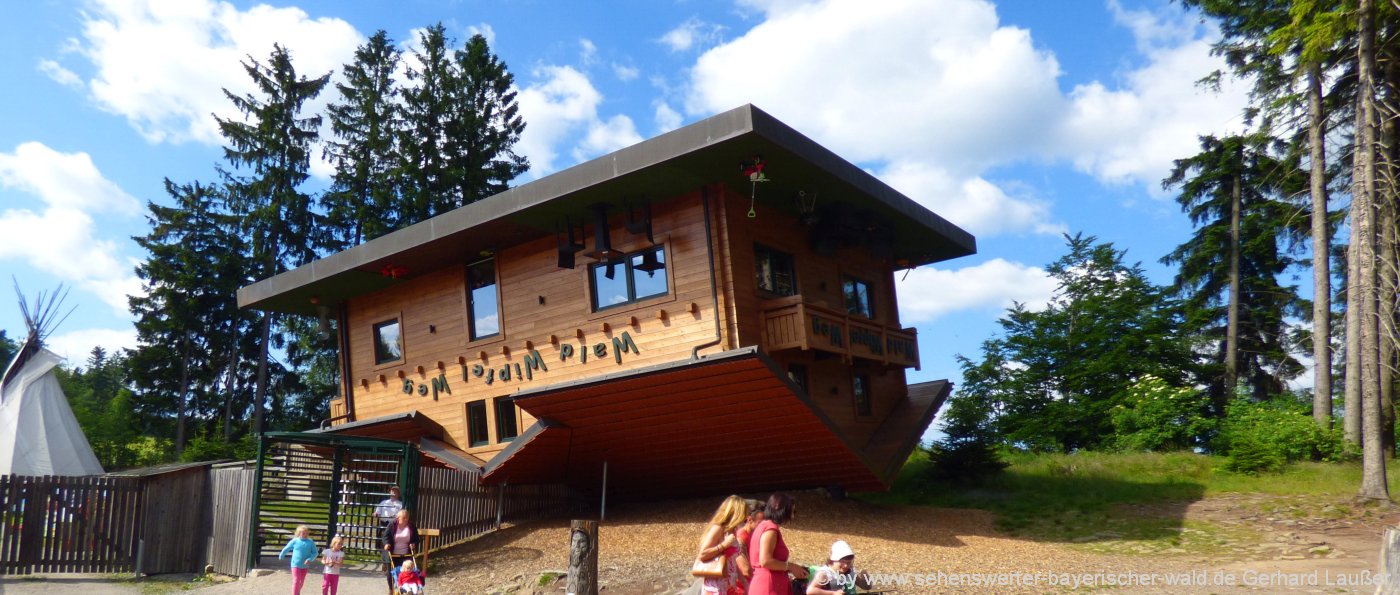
x: 38, y: 433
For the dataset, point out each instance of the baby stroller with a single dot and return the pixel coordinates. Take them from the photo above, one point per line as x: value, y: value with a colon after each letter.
x: 418, y: 587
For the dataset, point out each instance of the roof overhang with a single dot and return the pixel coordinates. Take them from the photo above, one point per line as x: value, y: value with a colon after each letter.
x: 731, y: 422
x: 409, y: 426
x: 675, y: 163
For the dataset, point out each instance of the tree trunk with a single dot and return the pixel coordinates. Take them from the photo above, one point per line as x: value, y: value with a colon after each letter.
x: 1373, y: 480
x: 1321, y: 246
x: 1232, y: 324
x: 1351, y: 415
x: 1388, y: 264
x: 184, y: 396
x: 260, y: 390
x: 229, y: 386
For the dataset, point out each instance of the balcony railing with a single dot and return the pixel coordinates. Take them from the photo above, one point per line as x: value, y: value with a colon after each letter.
x: 791, y: 323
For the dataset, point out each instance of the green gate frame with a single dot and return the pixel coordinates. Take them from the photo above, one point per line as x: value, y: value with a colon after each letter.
x: 340, y: 444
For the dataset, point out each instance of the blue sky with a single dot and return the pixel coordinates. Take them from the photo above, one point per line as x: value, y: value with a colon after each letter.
x: 1018, y: 120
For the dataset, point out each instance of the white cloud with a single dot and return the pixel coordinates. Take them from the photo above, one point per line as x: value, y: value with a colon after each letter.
x: 972, y: 203
x: 686, y: 35
x: 878, y: 80
x: 667, y: 118
x: 60, y: 75
x: 607, y: 136
x: 485, y: 31
x: 63, y: 180
x: 560, y: 106
x: 62, y: 238
x: 935, y: 94
x: 1133, y: 133
x: 588, y: 51
x: 625, y: 73
x: 928, y: 293
x: 163, y: 65
x: 77, y: 345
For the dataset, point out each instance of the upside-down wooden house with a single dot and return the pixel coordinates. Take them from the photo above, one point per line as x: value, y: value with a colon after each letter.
x: 711, y: 310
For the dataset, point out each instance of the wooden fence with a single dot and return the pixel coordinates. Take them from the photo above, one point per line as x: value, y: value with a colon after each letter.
x: 69, y: 524
x: 232, y: 486
x: 455, y: 503
x: 181, y: 519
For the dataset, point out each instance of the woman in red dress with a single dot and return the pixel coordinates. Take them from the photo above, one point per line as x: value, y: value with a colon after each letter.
x: 768, y: 552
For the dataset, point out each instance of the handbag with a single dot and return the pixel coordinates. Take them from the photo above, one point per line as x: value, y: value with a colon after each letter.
x: 712, y: 569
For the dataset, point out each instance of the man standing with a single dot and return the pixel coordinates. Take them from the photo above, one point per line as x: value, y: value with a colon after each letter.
x: 389, y: 507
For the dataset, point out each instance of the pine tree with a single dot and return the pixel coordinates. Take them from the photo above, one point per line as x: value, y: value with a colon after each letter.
x: 363, y: 202
x: 187, y: 314
x: 270, y: 154
x: 427, y: 110
x: 461, y: 126
x: 1229, y: 269
x: 485, y: 124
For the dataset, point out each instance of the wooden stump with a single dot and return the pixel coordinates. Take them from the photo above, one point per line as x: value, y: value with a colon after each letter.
x: 1389, y: 580
x: 583, y: 558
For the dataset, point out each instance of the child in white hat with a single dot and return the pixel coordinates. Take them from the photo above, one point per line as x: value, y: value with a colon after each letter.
x: 838, y: 576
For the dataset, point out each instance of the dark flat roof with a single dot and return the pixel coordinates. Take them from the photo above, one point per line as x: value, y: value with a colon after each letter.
x: 674, y: 163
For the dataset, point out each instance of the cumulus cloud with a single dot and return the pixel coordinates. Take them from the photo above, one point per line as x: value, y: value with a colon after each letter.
x: 62, y: 238
x: 667, y: 118
x: 1132, y: 134
x: 163, y: 65
x: 928, y: 293
x: 971, y: 203
x: 934, y: 94
x: 77, y: 345
x: 561, y: 105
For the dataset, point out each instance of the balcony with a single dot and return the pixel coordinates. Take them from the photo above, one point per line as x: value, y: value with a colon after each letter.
x: 791, y: 323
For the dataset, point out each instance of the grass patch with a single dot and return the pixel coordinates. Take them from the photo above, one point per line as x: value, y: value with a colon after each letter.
x: 1133, y: 502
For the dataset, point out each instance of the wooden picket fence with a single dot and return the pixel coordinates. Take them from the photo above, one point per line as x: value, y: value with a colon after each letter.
x: 455, y: 503
x: 69, y: 524
x: 179, y: 519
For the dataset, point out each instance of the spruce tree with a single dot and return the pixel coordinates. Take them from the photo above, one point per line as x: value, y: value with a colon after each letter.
x: 1229, y: 270
x: 270, y: 154
x: 363, y: 202
x: 485, y: 124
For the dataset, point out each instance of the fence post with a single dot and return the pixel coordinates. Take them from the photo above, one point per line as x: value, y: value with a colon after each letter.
x: 254, y: 548
x: 583, y: 558
x: 500, y: 502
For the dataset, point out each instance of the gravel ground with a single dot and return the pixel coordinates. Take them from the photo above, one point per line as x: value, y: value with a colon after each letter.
x: 647, y: 548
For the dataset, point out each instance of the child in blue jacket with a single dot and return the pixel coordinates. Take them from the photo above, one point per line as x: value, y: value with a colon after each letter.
x: 303, y: 551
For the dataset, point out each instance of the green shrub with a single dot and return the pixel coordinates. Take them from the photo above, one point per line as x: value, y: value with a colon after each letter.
x: 1250, y: 456
x: 1155, y: 416
x: 964, y: 461
x: 1265, y: 435
x: 202, y: 448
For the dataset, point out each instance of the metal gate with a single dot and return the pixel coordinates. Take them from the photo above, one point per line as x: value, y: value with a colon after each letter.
x: 329, y: 483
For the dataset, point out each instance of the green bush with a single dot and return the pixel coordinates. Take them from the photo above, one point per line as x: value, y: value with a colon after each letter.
x: 1155, y: 416
x: 1265, y: 435
x: 203, y: 448
x: 1250, y: 456
x: 964, y: 461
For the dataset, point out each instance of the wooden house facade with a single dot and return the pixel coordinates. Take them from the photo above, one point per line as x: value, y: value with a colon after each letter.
x: 712, y: 309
